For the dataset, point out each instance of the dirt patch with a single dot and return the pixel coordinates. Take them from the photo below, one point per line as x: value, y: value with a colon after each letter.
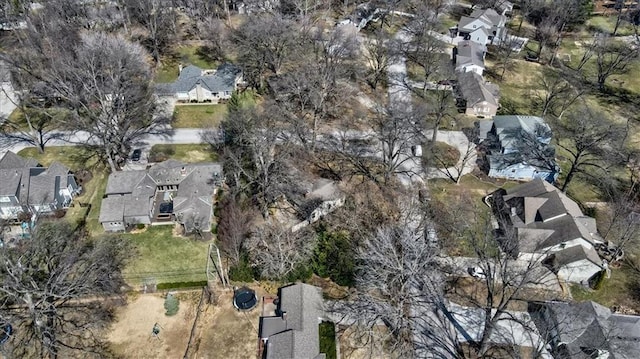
x: 224, y: 333
x: 131, y: 337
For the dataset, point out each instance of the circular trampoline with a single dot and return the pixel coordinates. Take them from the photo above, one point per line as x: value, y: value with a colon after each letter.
x: 244, y: 299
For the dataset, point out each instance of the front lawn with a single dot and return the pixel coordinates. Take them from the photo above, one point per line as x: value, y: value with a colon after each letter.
x: 442, y: 155
x: 162, y: 258
x: 184, y: 153
x: 198, y: 116
x: 73, y: 157
x: 328, y: 340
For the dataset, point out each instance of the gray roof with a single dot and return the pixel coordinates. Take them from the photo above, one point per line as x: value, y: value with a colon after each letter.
x: 223, y: 79
x: 469, y: 53
x: 11, y: 160
x: 489, y: 16
x: 112, y: 209
x: 544, y: 216
x: 10, y: 182
x: 579, y: 329
x: 193, y: 202
x: 300, y: 306
x: 574, y: 254
x: 474, y: 89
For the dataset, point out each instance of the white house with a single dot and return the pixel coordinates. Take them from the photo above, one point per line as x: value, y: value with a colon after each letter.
x: 197, y: 85
x: 469, y: 56
x: 487, y: 19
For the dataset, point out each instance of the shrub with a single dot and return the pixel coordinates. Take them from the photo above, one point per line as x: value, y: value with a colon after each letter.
x: 140, y: 226
x: 597, y: 280
x: 334, y: 257
x: 171, y: 305
x: 161, y: 153
x: 242, y: 272
x: 328, y: 339
x: 177, y: 285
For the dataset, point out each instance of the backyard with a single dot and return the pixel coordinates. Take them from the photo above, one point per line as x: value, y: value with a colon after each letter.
x: 162, y: 257
x: 621, y: 290
x: 184, y: 55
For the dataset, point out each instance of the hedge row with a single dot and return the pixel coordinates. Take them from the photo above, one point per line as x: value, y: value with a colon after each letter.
x: 177, y: 285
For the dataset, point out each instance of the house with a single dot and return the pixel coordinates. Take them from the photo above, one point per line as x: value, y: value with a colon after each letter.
x: 541, y: 222
x: 324, y: 197
x: 586, y: 330
x: 504, y: 7
x: 469, y: 56
x: 519, y: 148
x: 27, y: 187
x: 293, y: 331
x: 197, y: 85
x: 166, y: 192
x: 476, y: 96
x: 489, y: 20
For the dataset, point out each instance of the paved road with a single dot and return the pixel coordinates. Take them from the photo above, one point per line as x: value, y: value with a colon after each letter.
x: 7, y: 100
x: 180, y: 136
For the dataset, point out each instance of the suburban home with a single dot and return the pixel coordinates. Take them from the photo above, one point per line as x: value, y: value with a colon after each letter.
x: 197, y: 85
x: 586, y: 330
x: 538, y: 221
x: 292, y: 332
x: 27, y: 187
x: 504, y: 7
x: 168, y: 192
x: 469, y: 56
x: 519, y: 148
x: 476, y: 96
x: 323, y: 198
x: 492, y: 23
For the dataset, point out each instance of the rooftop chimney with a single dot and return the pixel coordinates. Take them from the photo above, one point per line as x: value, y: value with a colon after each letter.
x: 183, y: 171
x: 179, y: 69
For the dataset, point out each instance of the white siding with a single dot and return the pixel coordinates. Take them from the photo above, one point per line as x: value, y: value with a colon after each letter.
x: 579, y: 271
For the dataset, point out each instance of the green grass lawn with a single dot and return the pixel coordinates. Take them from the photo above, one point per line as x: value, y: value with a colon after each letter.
x: 185, y: 153
x: 163, y: 258
x: 70, y: 156
x: 328, y: 340
x: 185, y: 55
x: 607, y: 24
x: 617, y: 290
x: 198, y: 116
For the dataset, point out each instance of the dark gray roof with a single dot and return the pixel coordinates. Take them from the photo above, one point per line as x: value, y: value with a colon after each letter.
x: 474, y: 89
x: 488, y: 16
x: 196, y: 184
x: 300, y: 306
x: 10, y: 182
x: 544, y: 216
x: 579, y: 329
x: 223, y: 79
x: 469, y: 53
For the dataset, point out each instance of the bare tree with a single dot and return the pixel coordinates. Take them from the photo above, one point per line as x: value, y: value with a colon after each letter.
x: 421, y: 47
x: 105, y: 84
x: 506, y: 50
x: 54, y: 288
x: 233, y: 228
x: 265, y: 43
x: 397, y: 282
x: 590, y: 139
x: 36, y: 126
x: 613, y: 58
x: 276, y: 251
x: 159, y: 18
x: 378, y: 53
x: 456, y: 171
x: 558, y: 94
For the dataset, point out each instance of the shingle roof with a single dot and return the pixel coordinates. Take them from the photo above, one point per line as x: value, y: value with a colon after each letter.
x: 488, y: 16
x: 474, y: 89
x: 574, y: 254
x: 9, y: 182
x: 469, y: 53
x: 12, y: 160
x: 579, y: 329
x: 121, y: 182
x: 544, y: 216
x: 301, y: 307
x: 223, y: 79
x: 112, y: 209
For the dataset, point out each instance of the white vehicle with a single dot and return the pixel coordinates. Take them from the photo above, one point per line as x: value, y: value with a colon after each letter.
x: 476, y: 272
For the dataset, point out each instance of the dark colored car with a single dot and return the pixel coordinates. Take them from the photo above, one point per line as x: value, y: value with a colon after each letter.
x: 135, y: 156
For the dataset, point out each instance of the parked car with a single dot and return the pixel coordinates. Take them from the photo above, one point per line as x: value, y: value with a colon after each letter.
x: 135, y: 156
x: 476, y: 272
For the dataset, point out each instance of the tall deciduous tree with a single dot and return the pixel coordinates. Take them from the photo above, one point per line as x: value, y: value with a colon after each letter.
x: 53, y: 290
x: 159, y: 18
x: 106, y: 85
x: 613, y: 58
x: 591, y: 139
